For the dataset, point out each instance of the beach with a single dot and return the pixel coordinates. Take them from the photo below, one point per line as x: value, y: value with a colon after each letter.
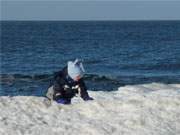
x: 128, y: 56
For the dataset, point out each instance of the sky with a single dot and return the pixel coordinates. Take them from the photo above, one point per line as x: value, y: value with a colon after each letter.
x: 89, y: 10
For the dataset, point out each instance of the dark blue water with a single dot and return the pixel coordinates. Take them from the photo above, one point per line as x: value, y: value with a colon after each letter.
x: 115, y: 53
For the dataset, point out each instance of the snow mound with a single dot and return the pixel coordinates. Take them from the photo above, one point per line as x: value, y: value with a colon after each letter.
x: 131, y: 110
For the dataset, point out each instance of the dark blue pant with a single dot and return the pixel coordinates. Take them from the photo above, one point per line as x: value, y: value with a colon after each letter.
x: 64, y: 101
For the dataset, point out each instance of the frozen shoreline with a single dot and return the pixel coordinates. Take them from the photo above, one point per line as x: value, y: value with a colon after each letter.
x: 137, y: 109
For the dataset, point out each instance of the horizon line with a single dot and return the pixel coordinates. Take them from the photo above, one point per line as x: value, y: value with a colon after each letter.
x: 96, y: 20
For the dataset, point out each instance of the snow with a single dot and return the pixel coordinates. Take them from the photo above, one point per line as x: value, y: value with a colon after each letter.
x: 131, y: 110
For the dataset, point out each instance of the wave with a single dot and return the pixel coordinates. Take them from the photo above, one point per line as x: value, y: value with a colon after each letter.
x: 13, y: 77
x: 157, y: 66
x: 48, y: 77
x: 94, y: 79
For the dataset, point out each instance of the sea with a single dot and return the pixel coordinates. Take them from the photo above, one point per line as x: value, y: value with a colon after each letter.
x: 114, y: 53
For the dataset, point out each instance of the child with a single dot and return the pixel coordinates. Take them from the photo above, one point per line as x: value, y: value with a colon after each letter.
x: 68, y: 83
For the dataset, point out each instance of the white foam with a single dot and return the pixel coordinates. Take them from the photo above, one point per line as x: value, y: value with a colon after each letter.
x: 132, y: 110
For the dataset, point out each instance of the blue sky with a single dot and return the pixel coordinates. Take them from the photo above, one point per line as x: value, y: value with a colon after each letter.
x: 90, y: 10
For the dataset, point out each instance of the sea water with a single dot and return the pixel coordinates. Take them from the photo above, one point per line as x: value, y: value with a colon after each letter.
x: 114, y: 53
x: 132, y: 72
